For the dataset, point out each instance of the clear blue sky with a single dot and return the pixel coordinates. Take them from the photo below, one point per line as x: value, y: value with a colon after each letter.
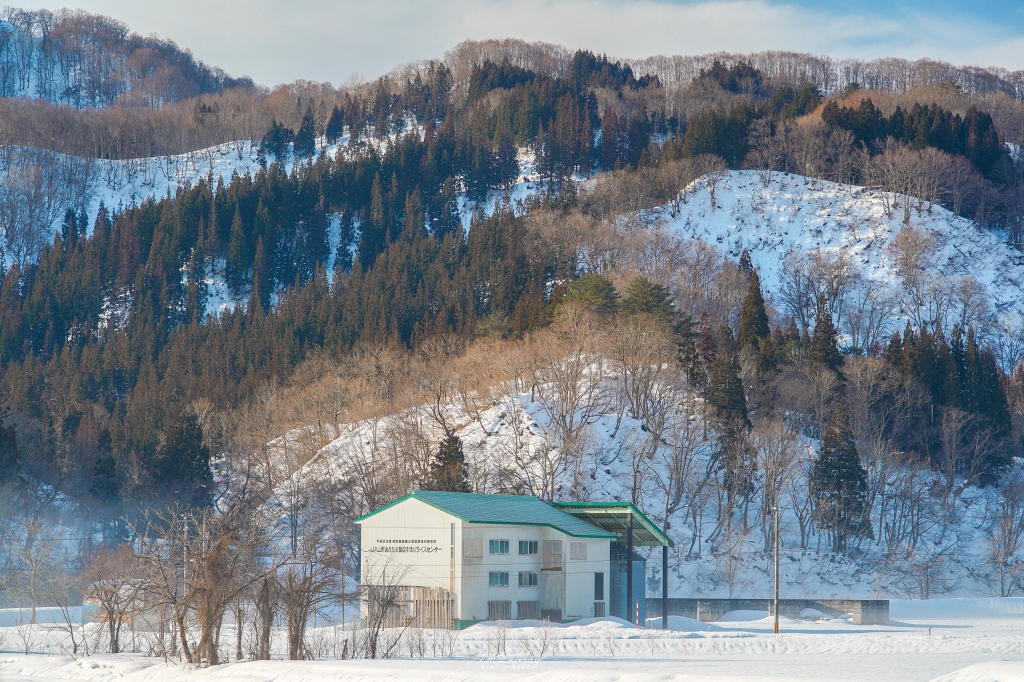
x: 281, y: 40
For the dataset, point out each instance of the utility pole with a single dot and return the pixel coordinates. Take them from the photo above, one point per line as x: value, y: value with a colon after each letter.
x: 775, y: 513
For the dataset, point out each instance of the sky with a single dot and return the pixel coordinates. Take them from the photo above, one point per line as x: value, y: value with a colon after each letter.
x: 277, y: 41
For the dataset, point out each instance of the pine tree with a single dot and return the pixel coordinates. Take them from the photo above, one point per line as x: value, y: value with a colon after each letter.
x: 767, y: 358
x: 697, y: 355
x: 448, y: 467
x: 259, y: 297
x: 10, y: 456
x: 838, y: 484
x: 104, y: 485
x: 824, y: 349
x: 184, y: 461
x: 237, y: 263
x: 196, y: 295
x: 753, y: 318
x: 726, y: 396
x: 447, y: 219
x: 726, y: 391
x: 276, y: 142
x: 746, y: 264
x: 645, y: 296
x: 335, y: 125
x: 595, y: 292
x: 305, y: 138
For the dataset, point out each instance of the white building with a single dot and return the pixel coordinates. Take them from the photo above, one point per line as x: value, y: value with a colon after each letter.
x: 459, y: 558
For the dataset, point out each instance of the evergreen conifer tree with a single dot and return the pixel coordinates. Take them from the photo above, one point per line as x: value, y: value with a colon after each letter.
x: 10, y: 456
x: 104, y: 479
x: 447, y: 219
x: 236, y: 264
x: 448, y: 467
x: 645, y: 296
x: 305, y: 138
x: 726, y: 391
x: 726, y: 396
x: 753, y: 318
x: 767, y: 358
x: 824, y: 349
x: 184, y: 461
x: 746, y: 264
x: 259, y: 297
x: 838, y: 484
x: 595, y: 292
x: 335, y: 125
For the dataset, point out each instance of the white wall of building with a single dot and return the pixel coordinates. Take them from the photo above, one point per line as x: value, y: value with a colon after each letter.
x: 412, y: 543
x: 413, y: 540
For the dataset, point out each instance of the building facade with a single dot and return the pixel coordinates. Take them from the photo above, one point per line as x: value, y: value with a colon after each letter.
x: 460, y: 558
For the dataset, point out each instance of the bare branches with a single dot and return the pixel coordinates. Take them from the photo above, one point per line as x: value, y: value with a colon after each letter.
x: 115, y: 581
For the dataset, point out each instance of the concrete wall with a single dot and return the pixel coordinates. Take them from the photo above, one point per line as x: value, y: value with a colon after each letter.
x: 579, y: 577
x: 864, y: 611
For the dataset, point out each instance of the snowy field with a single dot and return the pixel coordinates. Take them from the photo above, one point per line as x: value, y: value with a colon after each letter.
x: 956, y: 640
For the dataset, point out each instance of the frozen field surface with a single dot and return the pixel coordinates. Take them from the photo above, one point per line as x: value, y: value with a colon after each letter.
x: 956, y: 640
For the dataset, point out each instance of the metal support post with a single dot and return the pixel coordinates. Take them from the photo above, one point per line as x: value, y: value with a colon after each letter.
x: 664, y: 587
x: 629, y: 561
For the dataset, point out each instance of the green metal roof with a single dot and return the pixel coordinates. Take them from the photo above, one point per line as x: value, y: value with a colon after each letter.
x: 516, y: 510
x: 612, y: 517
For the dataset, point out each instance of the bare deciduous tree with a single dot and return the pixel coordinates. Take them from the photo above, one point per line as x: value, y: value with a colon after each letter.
x: 116, y: 580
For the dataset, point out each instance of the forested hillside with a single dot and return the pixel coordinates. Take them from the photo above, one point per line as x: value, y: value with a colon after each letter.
x: 92, y: 61
x: 121, y: 395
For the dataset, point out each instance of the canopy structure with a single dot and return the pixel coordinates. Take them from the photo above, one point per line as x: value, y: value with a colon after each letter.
x: 615, y: 517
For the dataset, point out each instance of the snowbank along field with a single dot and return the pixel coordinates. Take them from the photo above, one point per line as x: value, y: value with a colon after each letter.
x: 955, y: 640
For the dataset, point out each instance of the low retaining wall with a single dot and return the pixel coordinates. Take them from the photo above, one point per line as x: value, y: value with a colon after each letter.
x: 864, y: 611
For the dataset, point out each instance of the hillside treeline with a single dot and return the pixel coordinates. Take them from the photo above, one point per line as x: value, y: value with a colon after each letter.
x: 598, y: 117
x: 85, y: 60
x: 114, y: 377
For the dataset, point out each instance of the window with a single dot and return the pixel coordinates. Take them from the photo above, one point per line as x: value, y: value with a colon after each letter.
x: 528, y: 546
x: 499, y: 610
x: 598, y: 587
x: 473, y: 549
x: 577, y: 551
x: 599, y: 609
x: 551, y: 555
x: 497, y: 579
x: 499, y: 546
x: 527, y: 579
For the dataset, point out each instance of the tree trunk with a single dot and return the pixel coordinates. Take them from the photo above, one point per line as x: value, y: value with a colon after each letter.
x: 115, y: 647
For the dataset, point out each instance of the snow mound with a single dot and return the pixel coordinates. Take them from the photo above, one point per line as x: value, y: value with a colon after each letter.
x: 741, y: 615
x: 991, y: 671
x: 814, y: 614
x: 678, y: 624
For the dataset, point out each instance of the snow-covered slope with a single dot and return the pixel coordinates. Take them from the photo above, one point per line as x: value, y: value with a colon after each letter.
x: 795, y: 215
x: 513, y: 444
